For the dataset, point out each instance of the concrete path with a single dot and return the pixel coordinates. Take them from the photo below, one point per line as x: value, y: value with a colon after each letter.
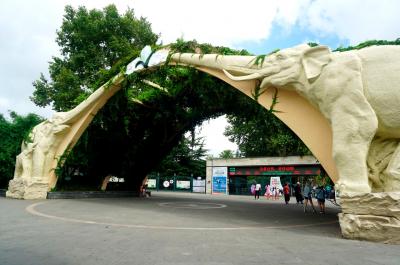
x: 178, y: 228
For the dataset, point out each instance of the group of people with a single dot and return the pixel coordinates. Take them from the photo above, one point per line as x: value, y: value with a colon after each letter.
x: 271, y: 192
x: 319, y: 192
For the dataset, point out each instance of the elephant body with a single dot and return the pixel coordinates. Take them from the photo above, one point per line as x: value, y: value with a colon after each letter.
x: 379, y: 69
x: 357, y: 91
x: 381, y: 81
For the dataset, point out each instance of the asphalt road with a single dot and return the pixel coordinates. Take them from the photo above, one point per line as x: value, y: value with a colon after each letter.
x: 178, y: 228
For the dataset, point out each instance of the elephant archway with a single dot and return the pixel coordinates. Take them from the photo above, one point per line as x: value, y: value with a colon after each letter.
x: 298, y: 114
x: 35, y: 176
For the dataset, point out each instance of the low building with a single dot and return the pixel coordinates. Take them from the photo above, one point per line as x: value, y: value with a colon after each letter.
x: 235, y: 176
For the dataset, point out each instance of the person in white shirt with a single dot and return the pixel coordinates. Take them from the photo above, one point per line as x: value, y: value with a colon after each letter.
x: 258, y: 190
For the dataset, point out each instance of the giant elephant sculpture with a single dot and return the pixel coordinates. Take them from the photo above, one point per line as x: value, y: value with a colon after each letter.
x: 357, y: 91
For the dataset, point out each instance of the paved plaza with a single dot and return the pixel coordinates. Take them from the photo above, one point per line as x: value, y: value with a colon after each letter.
x: 177, y: 228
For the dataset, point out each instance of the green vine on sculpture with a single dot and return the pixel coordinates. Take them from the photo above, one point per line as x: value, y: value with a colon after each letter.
x: 258, y: 92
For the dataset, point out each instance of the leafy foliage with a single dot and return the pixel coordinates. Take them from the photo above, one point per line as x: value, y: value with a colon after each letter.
x: 369, y: 43
x: 257, y: 132
x: 91, y: 42
x: 226, y: 154
x: 140, y: 125
x: 13, y: 132
x: 185, y: 159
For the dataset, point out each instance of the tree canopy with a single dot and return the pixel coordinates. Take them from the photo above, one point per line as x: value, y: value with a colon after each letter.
x: 91, y: 42
x: 141, y: 124
x: 226, y: 154
x: 185, y: 159
x: 257, y: 132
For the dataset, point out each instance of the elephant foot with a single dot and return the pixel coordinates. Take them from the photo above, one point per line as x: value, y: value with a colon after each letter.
x: 16, y: 189
x: 371, y: 216
x: 21, y: 188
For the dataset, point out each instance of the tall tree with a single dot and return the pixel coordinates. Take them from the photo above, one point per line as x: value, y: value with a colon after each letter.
x: 13, y: 132
x: 185, y: 159
x: 257, y: 132
x: 227, y: 154
x: 91, y: 42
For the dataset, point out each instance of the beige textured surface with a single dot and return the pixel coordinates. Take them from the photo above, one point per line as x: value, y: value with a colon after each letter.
x: 377, y: 203
x: 314, y: 131
x: 34, y: 171
x: 371, y: 216
x: 370, y: 227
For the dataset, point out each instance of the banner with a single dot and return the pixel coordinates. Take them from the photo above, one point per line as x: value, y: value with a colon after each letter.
x: 219, y: 179
x: 183, y: 184
x: 199, y: 185
x: 276, y: 182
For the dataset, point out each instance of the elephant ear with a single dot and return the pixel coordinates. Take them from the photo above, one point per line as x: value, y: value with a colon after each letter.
x: 314, y: 59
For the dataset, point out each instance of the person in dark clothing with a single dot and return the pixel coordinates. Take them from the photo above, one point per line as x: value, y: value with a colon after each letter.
x: 297, y: 193
x: 320, y: 191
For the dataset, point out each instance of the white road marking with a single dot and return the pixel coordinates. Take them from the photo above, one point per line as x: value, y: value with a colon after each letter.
x: 32, y: 210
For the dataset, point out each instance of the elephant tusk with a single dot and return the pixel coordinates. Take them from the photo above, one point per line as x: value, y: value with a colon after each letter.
x: 242, y: 78
x: 241, y: 69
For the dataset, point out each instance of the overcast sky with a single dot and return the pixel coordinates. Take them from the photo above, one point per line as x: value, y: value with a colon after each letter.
x: 27, y: 34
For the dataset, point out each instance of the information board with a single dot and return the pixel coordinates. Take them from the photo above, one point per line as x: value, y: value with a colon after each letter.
x: 219, y: 180
x: 183, y: 184
x: 151, y: 183
x: 199, y: 185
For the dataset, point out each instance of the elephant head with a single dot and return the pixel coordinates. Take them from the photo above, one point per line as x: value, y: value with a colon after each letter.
x: 295, y: 65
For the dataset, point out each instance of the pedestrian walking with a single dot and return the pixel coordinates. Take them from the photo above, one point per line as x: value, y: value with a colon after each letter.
x: 332, y: 195
x: 275, y: 192
x: 320, y: 192
x: 267, y: 191
x: 257, y: 191
x: 297, y: 193
x: 286, y: 193
x: 253, y: 189
x: 308, y: 196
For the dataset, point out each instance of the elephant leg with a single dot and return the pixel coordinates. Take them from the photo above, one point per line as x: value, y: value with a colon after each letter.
x: 354, y: 125
x: 391, y: 181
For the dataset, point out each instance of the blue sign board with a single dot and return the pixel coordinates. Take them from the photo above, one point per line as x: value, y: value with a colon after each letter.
x: 219, y: 184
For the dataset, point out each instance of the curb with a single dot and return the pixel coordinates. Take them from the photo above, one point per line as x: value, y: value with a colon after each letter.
x: 90, y: 194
